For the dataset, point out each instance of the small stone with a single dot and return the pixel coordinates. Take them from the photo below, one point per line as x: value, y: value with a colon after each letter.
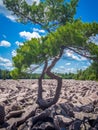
x: 77, y: 109
x: 47, y: 126
x: 68, y: 108
x: 63, y: 121
x: 96, y: 110
x: 76, y: 125
x: 88, y: 108
x: 43, y: 126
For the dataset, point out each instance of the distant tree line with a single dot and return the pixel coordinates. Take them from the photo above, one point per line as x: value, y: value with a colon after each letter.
x: 5, y: 74
x: 91, y: 73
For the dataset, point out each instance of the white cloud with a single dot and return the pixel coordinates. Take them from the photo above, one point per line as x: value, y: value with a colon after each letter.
x: 38, y: 30
x: 4, y: 59
x: 69, y: 53
x: 5, y: 43
x: 63, y: 70
x: 39, y: 70
x: 71, y: 70
x: 19, y: 43
x: 84, y: 67
x: 62, y: 67
x: 6, y: 12
x: 55, y: 70
x: 14, y: 53
x: 68, y: 64
x: 74, y: 56
x: 6, y: 63
x: 28, y: 35
x: 82, y: 58
x: 94, y: 39
x: 11, y: 17
x: 30, y: 2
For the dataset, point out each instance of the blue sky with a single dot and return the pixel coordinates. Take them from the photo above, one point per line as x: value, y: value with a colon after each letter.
x: 12, y: 34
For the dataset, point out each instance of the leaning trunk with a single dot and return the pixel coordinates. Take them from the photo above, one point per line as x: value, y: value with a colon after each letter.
x: 59, y: 86
x: 47, y: 103
x: 40, y: 89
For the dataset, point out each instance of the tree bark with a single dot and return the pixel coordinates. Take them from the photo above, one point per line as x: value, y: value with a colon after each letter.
x: 47, y: 103
x: 40, y: 89
x: 59, y: 86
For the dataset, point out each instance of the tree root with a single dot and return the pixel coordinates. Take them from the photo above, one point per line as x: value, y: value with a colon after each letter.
x: 56, y: 117
x: 45, y: 103
x: 18, y: 121
x: 15, y: 114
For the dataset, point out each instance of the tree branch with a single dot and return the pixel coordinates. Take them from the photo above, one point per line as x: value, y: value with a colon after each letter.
x: 25, y: 16
x: 55, y: 60
x: 84, y: 55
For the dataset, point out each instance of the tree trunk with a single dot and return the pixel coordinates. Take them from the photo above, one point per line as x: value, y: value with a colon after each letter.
x: 59, y: 86
x: 47, y: 103
x: 59, y: 80
x: 40, y: 89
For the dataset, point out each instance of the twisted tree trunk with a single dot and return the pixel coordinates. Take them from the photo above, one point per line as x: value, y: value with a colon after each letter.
x: 47, y: 70
x: 59, y: 86
x: 40, y: 89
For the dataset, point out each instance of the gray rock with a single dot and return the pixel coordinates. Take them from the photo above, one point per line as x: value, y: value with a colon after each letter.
x: 68, y: 109
x: 76, y: 125
x: 43, y: 126
x: 88, y: 108
x: 63, y: 121
x: 2, y: 114
x: 77, y: 109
